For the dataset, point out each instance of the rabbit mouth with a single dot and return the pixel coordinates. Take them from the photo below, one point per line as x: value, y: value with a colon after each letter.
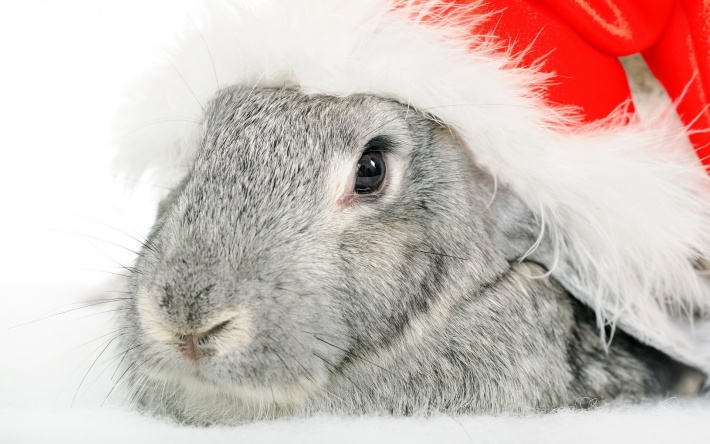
x: 200, y: 390
x: 205, y: 368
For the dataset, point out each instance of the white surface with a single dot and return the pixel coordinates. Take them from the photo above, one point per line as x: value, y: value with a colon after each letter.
x: 663, y: 424
x: 63, y: 65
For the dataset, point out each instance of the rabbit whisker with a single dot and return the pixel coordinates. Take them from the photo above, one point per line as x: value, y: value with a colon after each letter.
x: 144, y: 243
x: 116, y: 383
x: 170, y: 62
x: 441, y: 254
x: 209, y: 53
x: 335, y: 371
x: 90, y: 367
x: 355, y: 355
x: 65, y: 312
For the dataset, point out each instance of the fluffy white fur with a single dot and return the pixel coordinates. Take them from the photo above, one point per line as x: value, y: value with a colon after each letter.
x: 626, y: 203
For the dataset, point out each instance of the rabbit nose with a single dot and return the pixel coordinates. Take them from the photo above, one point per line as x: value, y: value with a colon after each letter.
x: 190, y: 347
x: 196, y: 345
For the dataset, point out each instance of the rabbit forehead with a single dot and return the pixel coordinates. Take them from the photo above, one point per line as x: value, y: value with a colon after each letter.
x: 285, y: 125
x: 275, y: 162
x: 276, y: 145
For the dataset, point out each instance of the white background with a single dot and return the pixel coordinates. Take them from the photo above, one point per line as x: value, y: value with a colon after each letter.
x: 64, y: 65
x: 67, y: 223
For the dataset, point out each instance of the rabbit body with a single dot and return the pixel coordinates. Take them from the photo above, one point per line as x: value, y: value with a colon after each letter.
x: 269, y: 287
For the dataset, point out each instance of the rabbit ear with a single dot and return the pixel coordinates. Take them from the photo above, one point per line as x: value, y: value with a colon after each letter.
x: 519, y: 235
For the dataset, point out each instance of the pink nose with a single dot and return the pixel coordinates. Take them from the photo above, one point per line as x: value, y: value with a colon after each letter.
x: 194, y: 345
x: 190, y: 347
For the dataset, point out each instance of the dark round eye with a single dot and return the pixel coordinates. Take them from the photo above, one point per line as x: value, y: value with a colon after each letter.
x: 370, y: 172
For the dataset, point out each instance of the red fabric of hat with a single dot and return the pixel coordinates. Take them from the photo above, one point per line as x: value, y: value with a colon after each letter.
x: 579, y: 41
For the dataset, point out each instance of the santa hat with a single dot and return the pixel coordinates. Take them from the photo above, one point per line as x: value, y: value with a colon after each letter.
x: 623, y: 199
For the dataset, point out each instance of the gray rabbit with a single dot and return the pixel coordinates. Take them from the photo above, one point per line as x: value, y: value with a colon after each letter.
x: 348, y: 255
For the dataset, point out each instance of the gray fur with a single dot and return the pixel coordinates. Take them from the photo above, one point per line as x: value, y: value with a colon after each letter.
x: 408, y: 302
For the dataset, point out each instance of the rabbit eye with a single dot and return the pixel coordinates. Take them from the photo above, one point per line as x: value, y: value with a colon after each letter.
x: 370, y: 172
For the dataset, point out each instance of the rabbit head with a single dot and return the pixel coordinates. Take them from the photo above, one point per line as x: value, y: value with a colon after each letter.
x: 346, y: 254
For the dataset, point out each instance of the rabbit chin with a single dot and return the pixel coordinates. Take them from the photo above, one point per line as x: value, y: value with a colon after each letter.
x: 198, y: 397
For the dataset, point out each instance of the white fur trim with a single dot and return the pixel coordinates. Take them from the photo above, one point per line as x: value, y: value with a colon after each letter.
x: 626, y: 203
